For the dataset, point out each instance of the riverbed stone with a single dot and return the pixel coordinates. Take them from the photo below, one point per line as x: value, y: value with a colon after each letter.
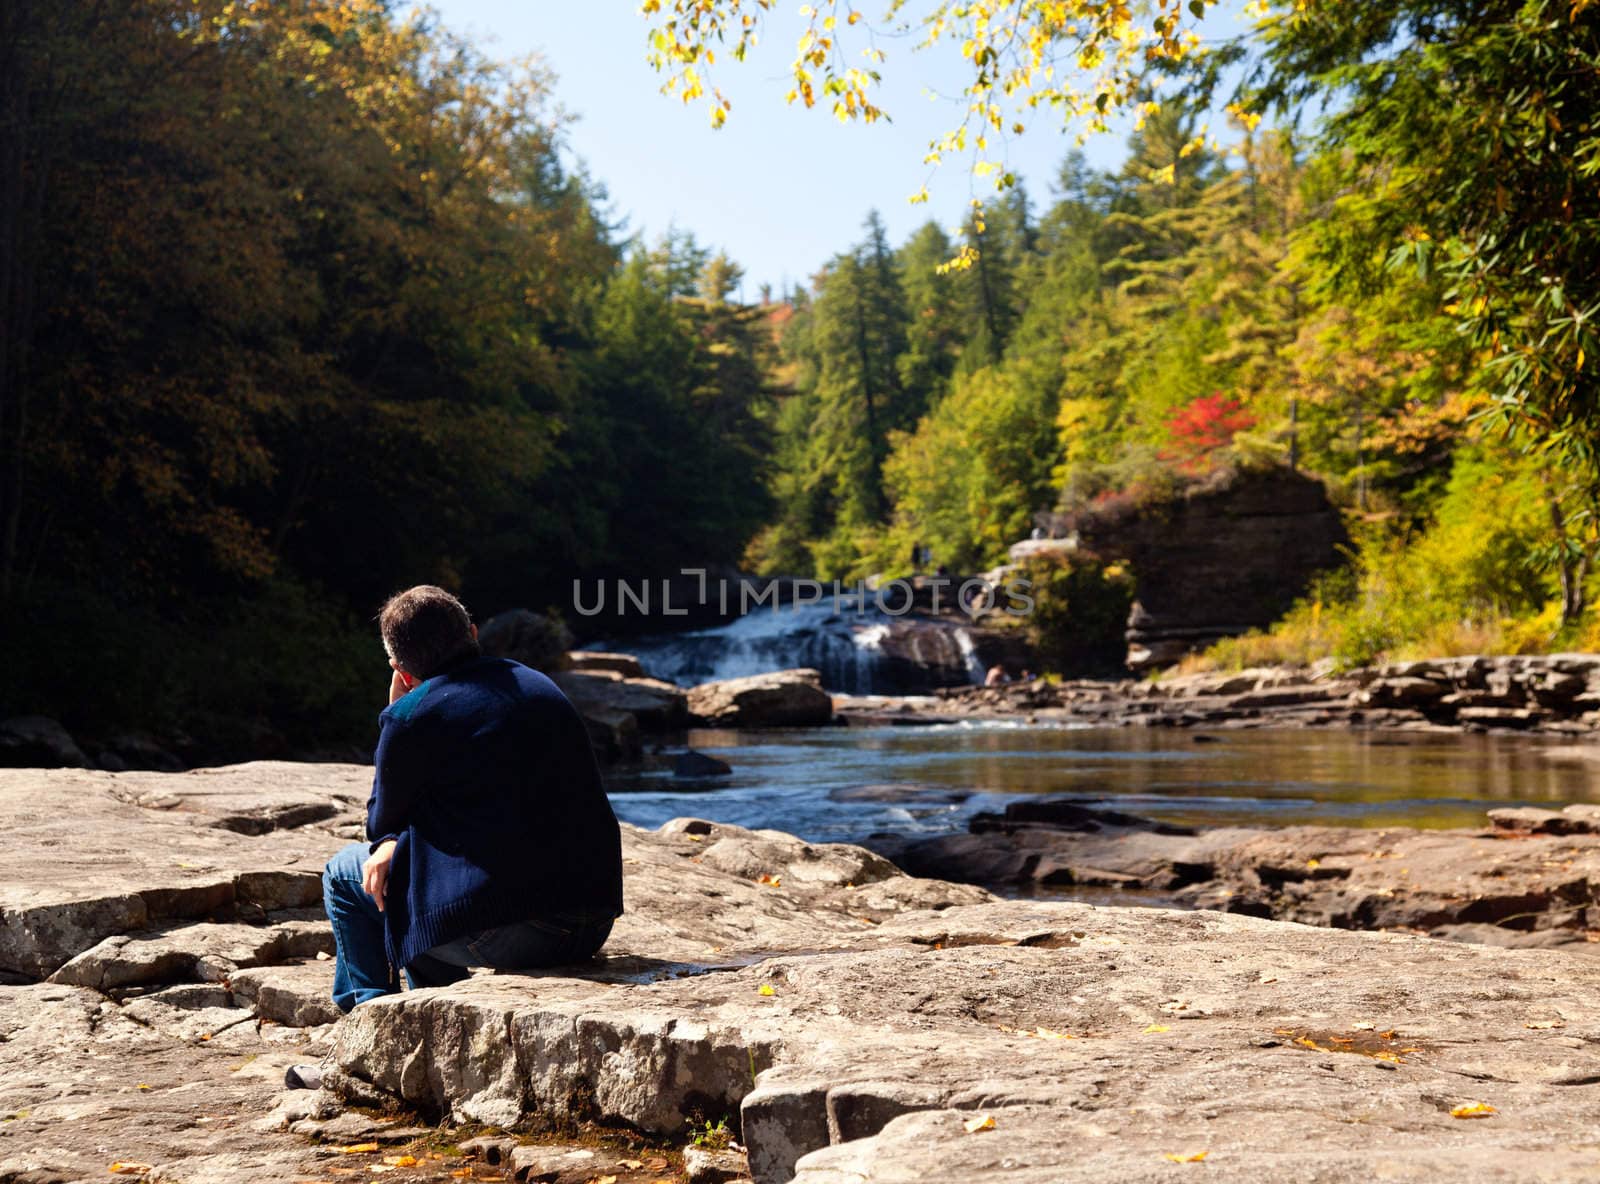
x: 848, y: 1021
x: 93, y: 855
x: 624, y: 664
x: 785, y: 698
x: 1169, y: 1033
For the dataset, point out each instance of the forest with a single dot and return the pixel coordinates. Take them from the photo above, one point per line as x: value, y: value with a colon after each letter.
x: 306, y: 301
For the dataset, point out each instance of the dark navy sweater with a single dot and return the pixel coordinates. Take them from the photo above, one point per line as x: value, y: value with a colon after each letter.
x: 487, y: 780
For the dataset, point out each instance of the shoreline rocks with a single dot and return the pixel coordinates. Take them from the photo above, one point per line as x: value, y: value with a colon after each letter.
x: 1531, y: 879
x: 1553, y: 694
x: 848, y: 1022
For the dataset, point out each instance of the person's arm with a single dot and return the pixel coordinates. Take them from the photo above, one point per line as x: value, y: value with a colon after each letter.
x: 397, y: 783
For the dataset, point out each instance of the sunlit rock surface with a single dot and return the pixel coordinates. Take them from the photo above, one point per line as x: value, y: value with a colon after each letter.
x: 852, y: 1023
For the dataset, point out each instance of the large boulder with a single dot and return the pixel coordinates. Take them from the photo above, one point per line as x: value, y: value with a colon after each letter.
x: 36, y: 742
x: 534, y: 639
x: 656, y: 705
x: 784, y: 698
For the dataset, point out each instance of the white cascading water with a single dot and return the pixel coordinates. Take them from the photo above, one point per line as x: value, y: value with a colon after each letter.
x: 969, y: 651
x: 846, y: 647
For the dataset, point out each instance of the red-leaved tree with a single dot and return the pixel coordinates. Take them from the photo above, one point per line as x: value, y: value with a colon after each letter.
x: 1197, y: 429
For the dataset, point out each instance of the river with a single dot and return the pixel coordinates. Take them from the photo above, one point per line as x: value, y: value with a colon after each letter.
x: 812, y: 782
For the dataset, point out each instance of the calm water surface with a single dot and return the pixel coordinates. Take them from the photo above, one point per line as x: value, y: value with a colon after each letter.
x: 795, y: 780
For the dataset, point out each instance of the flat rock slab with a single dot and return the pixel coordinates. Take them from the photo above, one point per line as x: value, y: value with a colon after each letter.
x: 1099, y: 1040
x: 92, y: 855
x: 84, y: 1083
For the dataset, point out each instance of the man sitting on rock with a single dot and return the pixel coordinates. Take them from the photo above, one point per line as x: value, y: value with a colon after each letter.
x: 492, y: 842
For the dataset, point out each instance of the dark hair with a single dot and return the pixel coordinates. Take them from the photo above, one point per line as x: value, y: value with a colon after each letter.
x: 426, y: 630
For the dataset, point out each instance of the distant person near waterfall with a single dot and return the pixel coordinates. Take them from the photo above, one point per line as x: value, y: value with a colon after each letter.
x: 490, y: 839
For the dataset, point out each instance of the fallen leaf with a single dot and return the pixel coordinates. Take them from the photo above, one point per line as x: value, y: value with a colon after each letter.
x: 983, y: 1122
x: 1187, y: 1156
x: 1154, y: 1028
x: 357, y: 1148
x: 1050, y: 1034
x: 1472, y: 1110
x: 655, y: 1164
x: 401, y: 1161
x: 766, y: 989
x: 142, y: 1085
x: 1529, y: 1024
x: 1392, y: 1058
x: 129, y: 1168
x: 1311, y: 865
x: 772, y: 881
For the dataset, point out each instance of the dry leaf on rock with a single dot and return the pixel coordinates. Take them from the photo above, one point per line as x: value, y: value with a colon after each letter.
x: 401, y: 1161
x: 129, y: 1168
x: 1187, y: 1156
x: 357, y: 1149
x: 766, y: 989
x: 1154, y: 1028
x: 1472, y: 1110
x: 983, y: 1122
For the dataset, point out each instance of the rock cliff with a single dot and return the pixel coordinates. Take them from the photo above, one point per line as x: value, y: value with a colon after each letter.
x: 1225, y: 556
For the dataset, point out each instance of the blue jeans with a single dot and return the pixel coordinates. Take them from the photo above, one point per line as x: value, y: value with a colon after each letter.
x: 362, y: 970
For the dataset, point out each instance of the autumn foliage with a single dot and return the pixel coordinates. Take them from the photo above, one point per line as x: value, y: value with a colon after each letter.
x: 1200, y: 428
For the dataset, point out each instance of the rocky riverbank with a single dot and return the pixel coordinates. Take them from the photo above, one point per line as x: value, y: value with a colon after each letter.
x: 1528, y: 878
x: 845, y: 1021
x: 1556, y: 694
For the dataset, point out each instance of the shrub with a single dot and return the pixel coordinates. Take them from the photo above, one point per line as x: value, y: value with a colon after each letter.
x: 1080, y: 613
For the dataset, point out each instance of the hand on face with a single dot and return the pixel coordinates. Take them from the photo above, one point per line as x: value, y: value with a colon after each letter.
x: 400, y: 682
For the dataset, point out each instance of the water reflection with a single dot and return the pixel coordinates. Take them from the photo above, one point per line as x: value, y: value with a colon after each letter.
x: 783, y: 779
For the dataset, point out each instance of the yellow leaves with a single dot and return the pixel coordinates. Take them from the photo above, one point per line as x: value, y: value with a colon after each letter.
x: 1313, y: 864
x: 1154, y: 1029
x: 979, y: 1123
x: 401, y: 1161
x: 356, y: 1149
x: 1472, y: 1110
x: 766, y: 989
x: 1009, y: 54
x: 1187, y: 1156
x: 770, y: 881
x: 129, y: 1168
x: 964, y: 259
x: 1038, y: 1033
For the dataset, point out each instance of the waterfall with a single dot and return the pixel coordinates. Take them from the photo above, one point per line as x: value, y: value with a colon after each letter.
x: 856, y: 652
x: 969, y: 652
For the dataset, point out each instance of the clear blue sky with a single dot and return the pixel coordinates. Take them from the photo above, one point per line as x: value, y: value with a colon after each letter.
x: 780, y: 188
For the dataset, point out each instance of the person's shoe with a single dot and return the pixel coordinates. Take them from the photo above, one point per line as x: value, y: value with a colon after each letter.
x: 303, y: 1077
